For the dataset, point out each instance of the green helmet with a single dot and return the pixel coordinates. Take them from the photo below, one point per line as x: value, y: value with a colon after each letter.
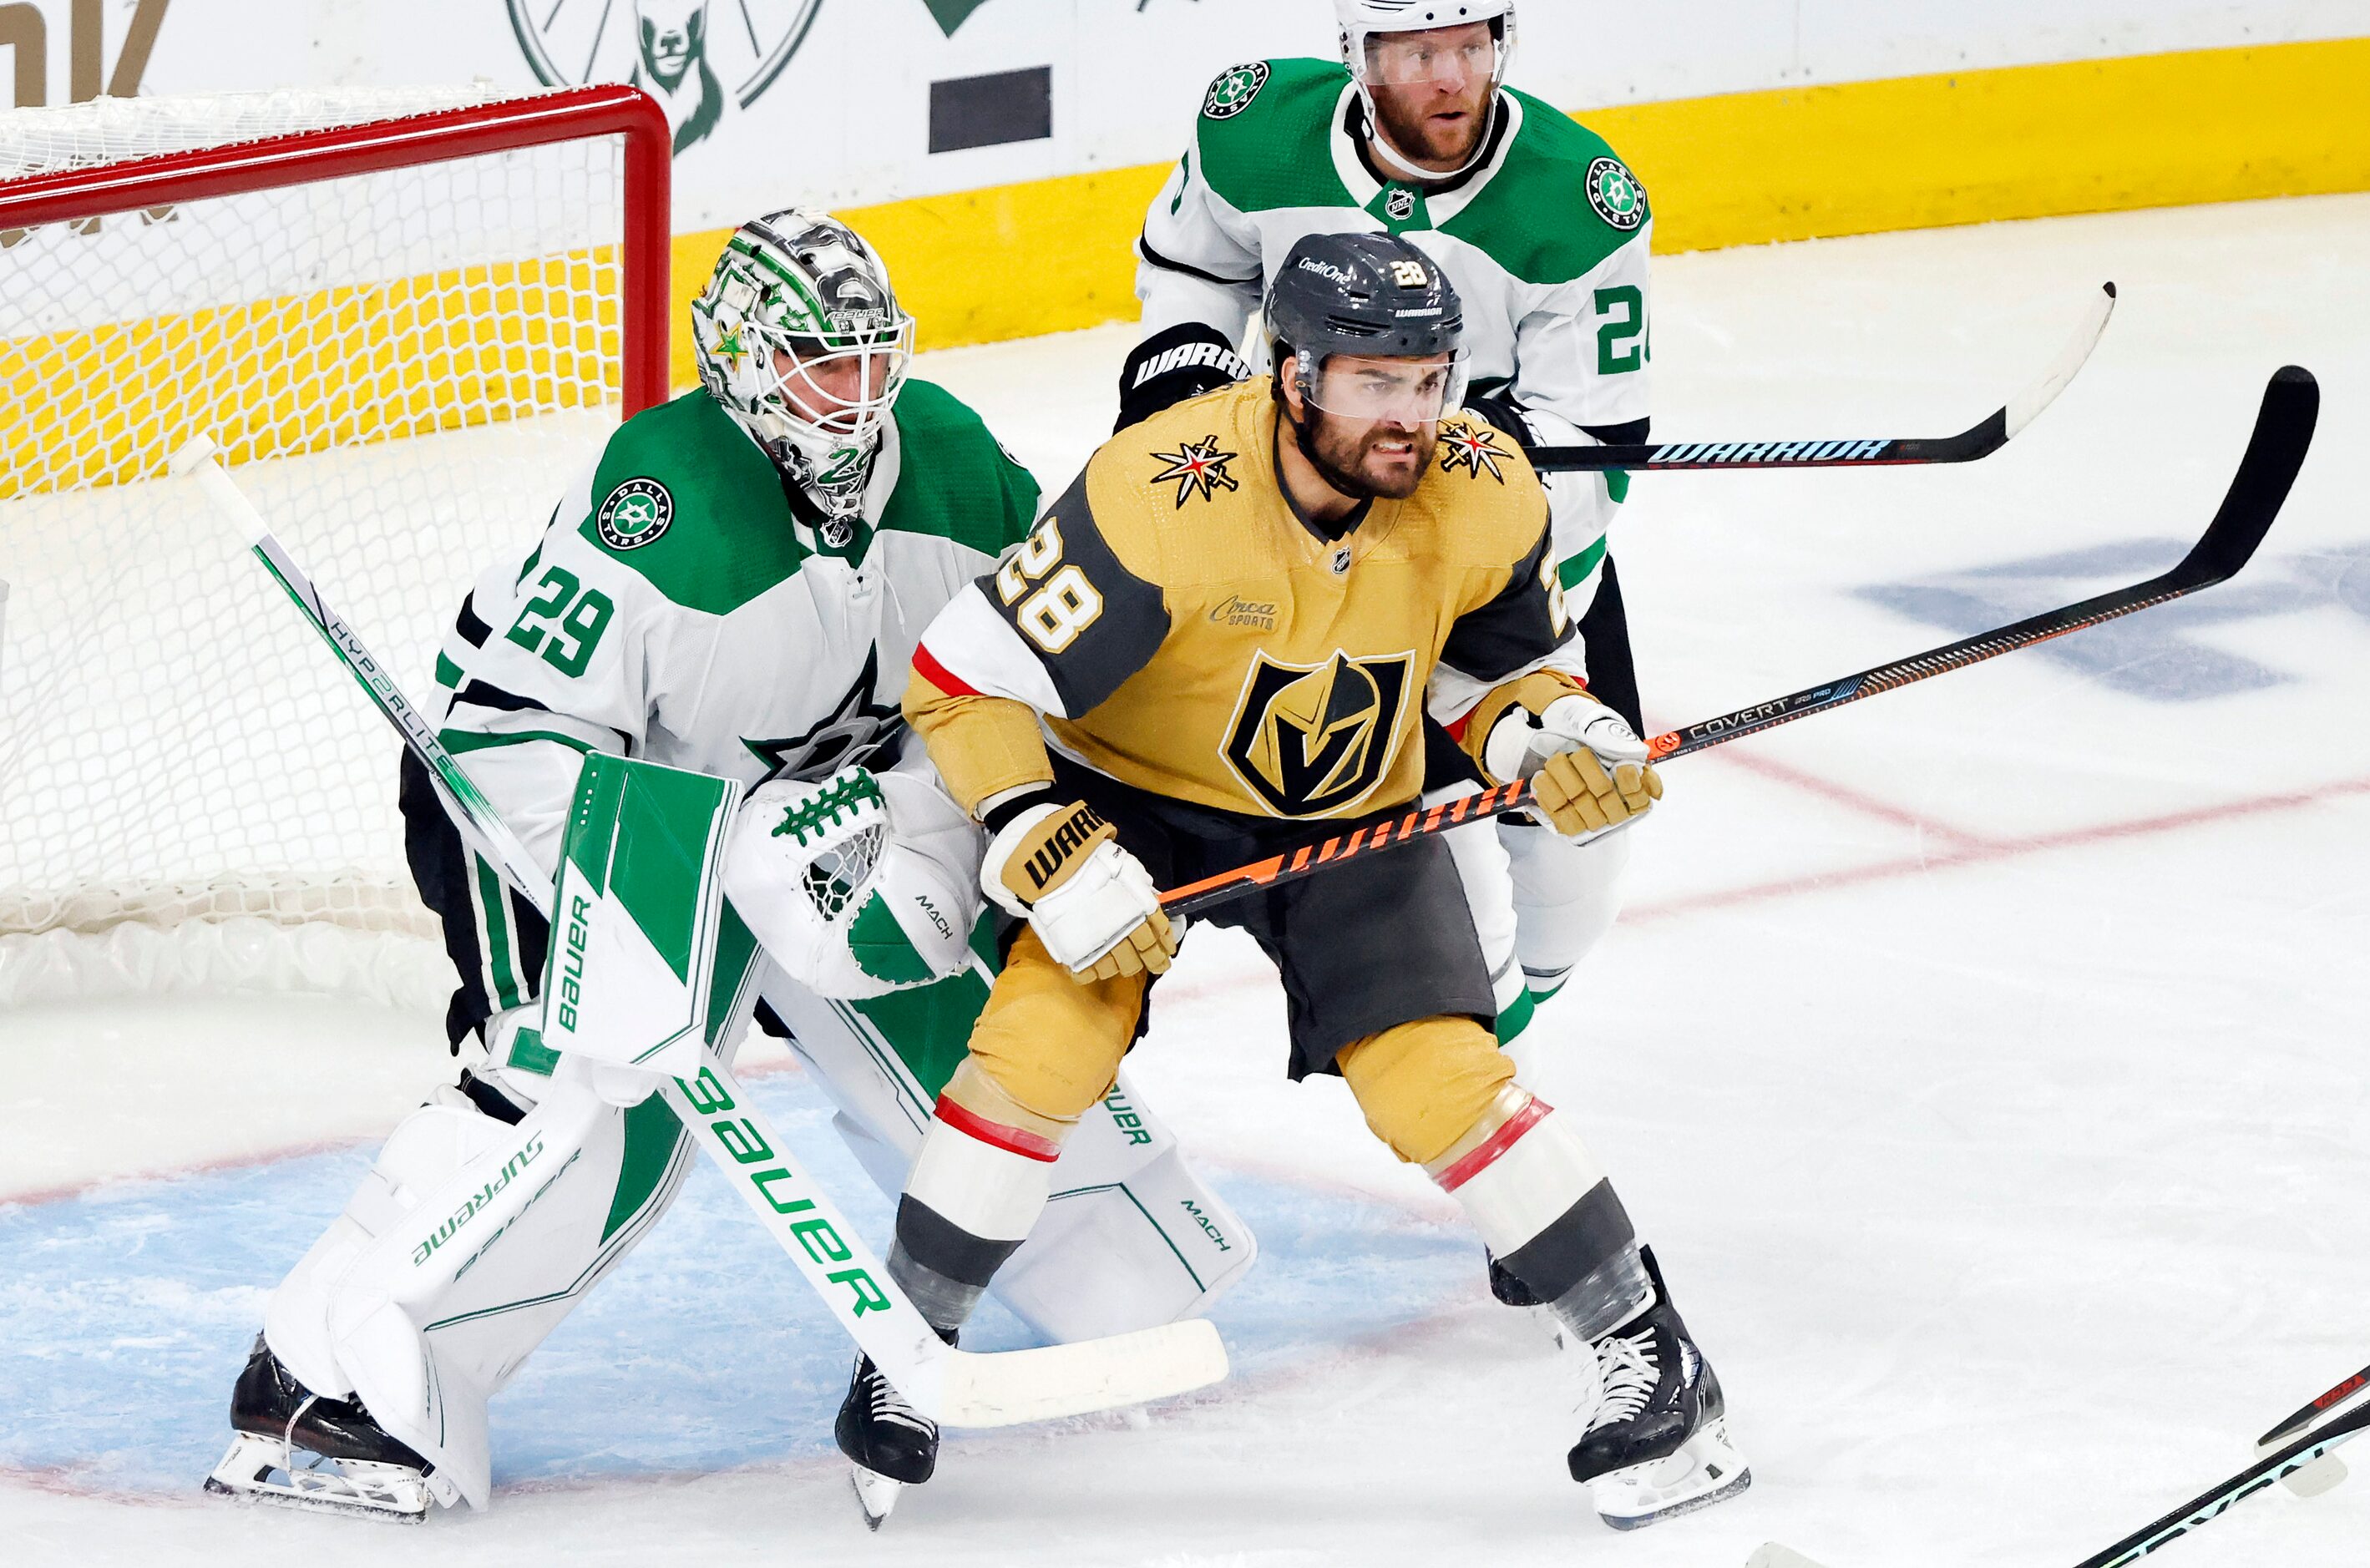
x: 801, y: 339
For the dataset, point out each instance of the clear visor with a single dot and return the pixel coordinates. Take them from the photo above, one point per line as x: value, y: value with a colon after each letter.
x: 1398, y: 392
x: 845, y: 389
x: 1399, y: 60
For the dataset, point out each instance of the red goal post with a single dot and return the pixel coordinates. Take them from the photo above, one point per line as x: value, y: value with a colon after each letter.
x: 409, y: 316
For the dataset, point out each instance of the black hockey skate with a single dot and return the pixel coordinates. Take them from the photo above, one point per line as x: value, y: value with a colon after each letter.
x: 891, y: 1445
x: 292, y: 1447
x: 1657, y: 1442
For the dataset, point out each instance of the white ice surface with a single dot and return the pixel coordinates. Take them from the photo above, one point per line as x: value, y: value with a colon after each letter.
x: 1985, y: 1061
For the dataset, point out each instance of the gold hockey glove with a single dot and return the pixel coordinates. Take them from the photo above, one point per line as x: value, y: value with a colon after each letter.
x: 1093, y: 904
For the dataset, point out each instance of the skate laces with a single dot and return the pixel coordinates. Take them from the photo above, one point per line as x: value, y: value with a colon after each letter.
x: 888, y: 1404
x: 1627, y: 1365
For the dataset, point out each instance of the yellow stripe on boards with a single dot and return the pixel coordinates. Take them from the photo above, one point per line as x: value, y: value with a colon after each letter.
x: 1978, y: 146
x: 1744, y: 168
x: 274, y: 377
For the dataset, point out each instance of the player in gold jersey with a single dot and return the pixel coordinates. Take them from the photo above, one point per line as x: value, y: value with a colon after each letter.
x: 1229, y: 630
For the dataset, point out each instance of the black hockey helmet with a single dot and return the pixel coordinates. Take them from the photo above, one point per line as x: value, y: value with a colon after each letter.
x: 1375, y: 297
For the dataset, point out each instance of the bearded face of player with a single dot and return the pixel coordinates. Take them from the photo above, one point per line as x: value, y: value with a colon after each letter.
x: 1432, y: 91
x: 1369, y: 426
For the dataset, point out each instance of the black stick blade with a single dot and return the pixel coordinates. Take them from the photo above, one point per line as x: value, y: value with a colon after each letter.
x: 2274, y: 454
x: 2283, y: 430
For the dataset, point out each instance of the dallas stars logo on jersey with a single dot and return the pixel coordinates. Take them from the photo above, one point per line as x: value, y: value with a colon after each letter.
x: 1231, y: 93
x: 1475, y: 449
x: 860, y: 732
x: 635, y: 513
x: 1613, y: 191
x: 1198, y: 468
x: 1311, y: 740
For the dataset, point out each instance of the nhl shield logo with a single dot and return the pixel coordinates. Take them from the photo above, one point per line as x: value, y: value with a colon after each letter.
x: 1231, y: 93
x: 635, y: 513
x: 1614, y: 191
x: 1312, y: 740
x: 1400, y: 205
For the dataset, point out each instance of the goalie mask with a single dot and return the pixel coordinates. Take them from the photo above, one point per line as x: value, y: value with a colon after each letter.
x: 1379, y: 47
x: 801, y: 337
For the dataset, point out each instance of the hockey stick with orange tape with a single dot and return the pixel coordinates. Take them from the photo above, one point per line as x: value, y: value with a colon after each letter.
x: 2275, y: 453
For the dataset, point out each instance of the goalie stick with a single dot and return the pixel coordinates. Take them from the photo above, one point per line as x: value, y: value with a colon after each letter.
x: 1980, y: 439
x: 958, y: 1388
x: 2275, y: 452
x: 2313, y: 1447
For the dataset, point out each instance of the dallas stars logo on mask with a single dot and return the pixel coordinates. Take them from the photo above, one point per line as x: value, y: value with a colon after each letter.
x: 731, y: 347
x: 1476, y: 449
x: 1198, y: 468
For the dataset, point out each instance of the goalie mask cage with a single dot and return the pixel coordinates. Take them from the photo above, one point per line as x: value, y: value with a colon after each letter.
x: 409, y: 317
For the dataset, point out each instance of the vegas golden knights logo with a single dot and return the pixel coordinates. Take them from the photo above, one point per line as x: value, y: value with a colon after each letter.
x: 1311, y: 741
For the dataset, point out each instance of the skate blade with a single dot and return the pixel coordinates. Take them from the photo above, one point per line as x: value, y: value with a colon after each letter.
x: 875, y: 1493
x: 355, y: 1487
x: 1708, y: 1470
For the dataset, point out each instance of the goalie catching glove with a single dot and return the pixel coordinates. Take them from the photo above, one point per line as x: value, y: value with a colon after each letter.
x: 1587, y: 767
x: 1091, y: 903
x: 857, y: 886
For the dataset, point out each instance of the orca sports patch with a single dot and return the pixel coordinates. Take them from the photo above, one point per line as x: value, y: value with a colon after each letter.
x: 635, y: 513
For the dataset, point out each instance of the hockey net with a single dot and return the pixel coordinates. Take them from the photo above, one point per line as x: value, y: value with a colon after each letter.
x: 408, y: 317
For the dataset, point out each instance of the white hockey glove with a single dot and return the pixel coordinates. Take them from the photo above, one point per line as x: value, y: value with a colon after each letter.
x: 1586, y: 765
x: 857, y: 886
x: 1093, y: 904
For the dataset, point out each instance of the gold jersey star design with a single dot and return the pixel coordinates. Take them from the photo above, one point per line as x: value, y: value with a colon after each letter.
x: 1198, y: 468
x: 1476, y: 448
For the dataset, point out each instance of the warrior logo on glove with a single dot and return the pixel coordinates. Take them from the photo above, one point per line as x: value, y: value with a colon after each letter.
x: 1312, y: 740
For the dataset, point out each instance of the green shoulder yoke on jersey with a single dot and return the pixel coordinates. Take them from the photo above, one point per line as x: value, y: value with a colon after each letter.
x: 686, y: 498
x: 1269, y: 145
x: 956, y: 482
x: 1560, y: 204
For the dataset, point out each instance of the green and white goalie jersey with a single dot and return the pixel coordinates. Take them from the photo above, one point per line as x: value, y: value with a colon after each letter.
x: 678, y: 609
x: 1546, y: 239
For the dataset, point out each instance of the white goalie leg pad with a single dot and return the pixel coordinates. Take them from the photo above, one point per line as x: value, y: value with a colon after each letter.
x: 1133, y: 1236
x: 1484, y: 868
x: 1565, y: 898
x: 445, y: 1136
x: 1130, y: 1237
x: 1536, y: 1195
x: 469, y: 1241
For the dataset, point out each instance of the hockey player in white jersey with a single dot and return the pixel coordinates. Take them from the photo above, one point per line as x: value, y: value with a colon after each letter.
x: 737, y: 586
x: 1545, y: 232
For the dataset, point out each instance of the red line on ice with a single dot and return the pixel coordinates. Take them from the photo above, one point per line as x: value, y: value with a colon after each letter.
x: 1987, y: 852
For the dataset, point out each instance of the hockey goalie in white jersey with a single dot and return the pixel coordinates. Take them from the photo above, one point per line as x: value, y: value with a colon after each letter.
x: 736, y: 587
x: 1545, y: 233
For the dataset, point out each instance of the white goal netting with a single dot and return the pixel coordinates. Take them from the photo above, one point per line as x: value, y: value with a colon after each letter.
x: 404, y: 368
